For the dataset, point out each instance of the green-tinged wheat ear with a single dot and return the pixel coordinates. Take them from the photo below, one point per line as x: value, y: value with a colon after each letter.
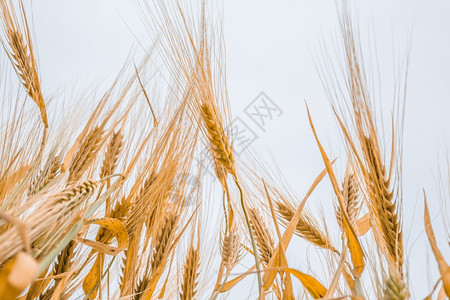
x: 220, y: 146
x: 395, y: 288
x: 263, y: 238
x: 86, y: 153
x: 49, y: 172
x: 112, y: 154
x: 304, y: 228
x: 383, y: 205
x: 350, y: 193
x: 189, y: 285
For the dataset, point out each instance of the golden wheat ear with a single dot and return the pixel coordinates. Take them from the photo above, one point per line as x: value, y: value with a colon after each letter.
x: 190, y: 275
x: 306, y: 227
x: 220, y: 146
x: 263, y: 238
x: 19, y: 48
x: 379, y: 170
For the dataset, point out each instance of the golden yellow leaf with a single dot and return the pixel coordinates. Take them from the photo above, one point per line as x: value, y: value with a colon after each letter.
x: 444, y: 269
x: 269, y: 275
x: 230, y: 284
x: 91, y: 281
x: 16, y: 275
x: 312, y: 285
x: 119, y: 231
x: 357, y: 254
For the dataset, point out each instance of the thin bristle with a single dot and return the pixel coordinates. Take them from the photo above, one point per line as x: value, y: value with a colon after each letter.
x: 140, y: 288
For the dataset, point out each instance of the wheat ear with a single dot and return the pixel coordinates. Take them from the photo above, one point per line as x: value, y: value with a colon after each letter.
x: 49, y: 172
x: 350, y: 193
x: 395, y: 288
x: 189, y: 285
x: 263, y: 238
x: 383, y: 205
x: 218, y: 141
x: 304, y: 228
x: 86, y: 154
x: 112, y: 155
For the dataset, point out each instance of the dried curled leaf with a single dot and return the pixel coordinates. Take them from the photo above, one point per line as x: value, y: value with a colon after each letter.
x: 118, y: 230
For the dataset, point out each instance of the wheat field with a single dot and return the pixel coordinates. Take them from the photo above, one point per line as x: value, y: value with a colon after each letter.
x: 139, y: 190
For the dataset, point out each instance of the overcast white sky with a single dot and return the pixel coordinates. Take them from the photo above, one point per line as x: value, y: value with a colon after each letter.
x: 270, y: 47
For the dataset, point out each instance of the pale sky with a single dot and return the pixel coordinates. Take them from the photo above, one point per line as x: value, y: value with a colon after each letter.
x: 271, y: 47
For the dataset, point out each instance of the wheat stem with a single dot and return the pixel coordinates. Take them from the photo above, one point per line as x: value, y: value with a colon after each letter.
x: 255, y: 248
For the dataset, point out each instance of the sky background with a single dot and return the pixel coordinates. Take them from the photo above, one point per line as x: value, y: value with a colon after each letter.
x: 272, y: 47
